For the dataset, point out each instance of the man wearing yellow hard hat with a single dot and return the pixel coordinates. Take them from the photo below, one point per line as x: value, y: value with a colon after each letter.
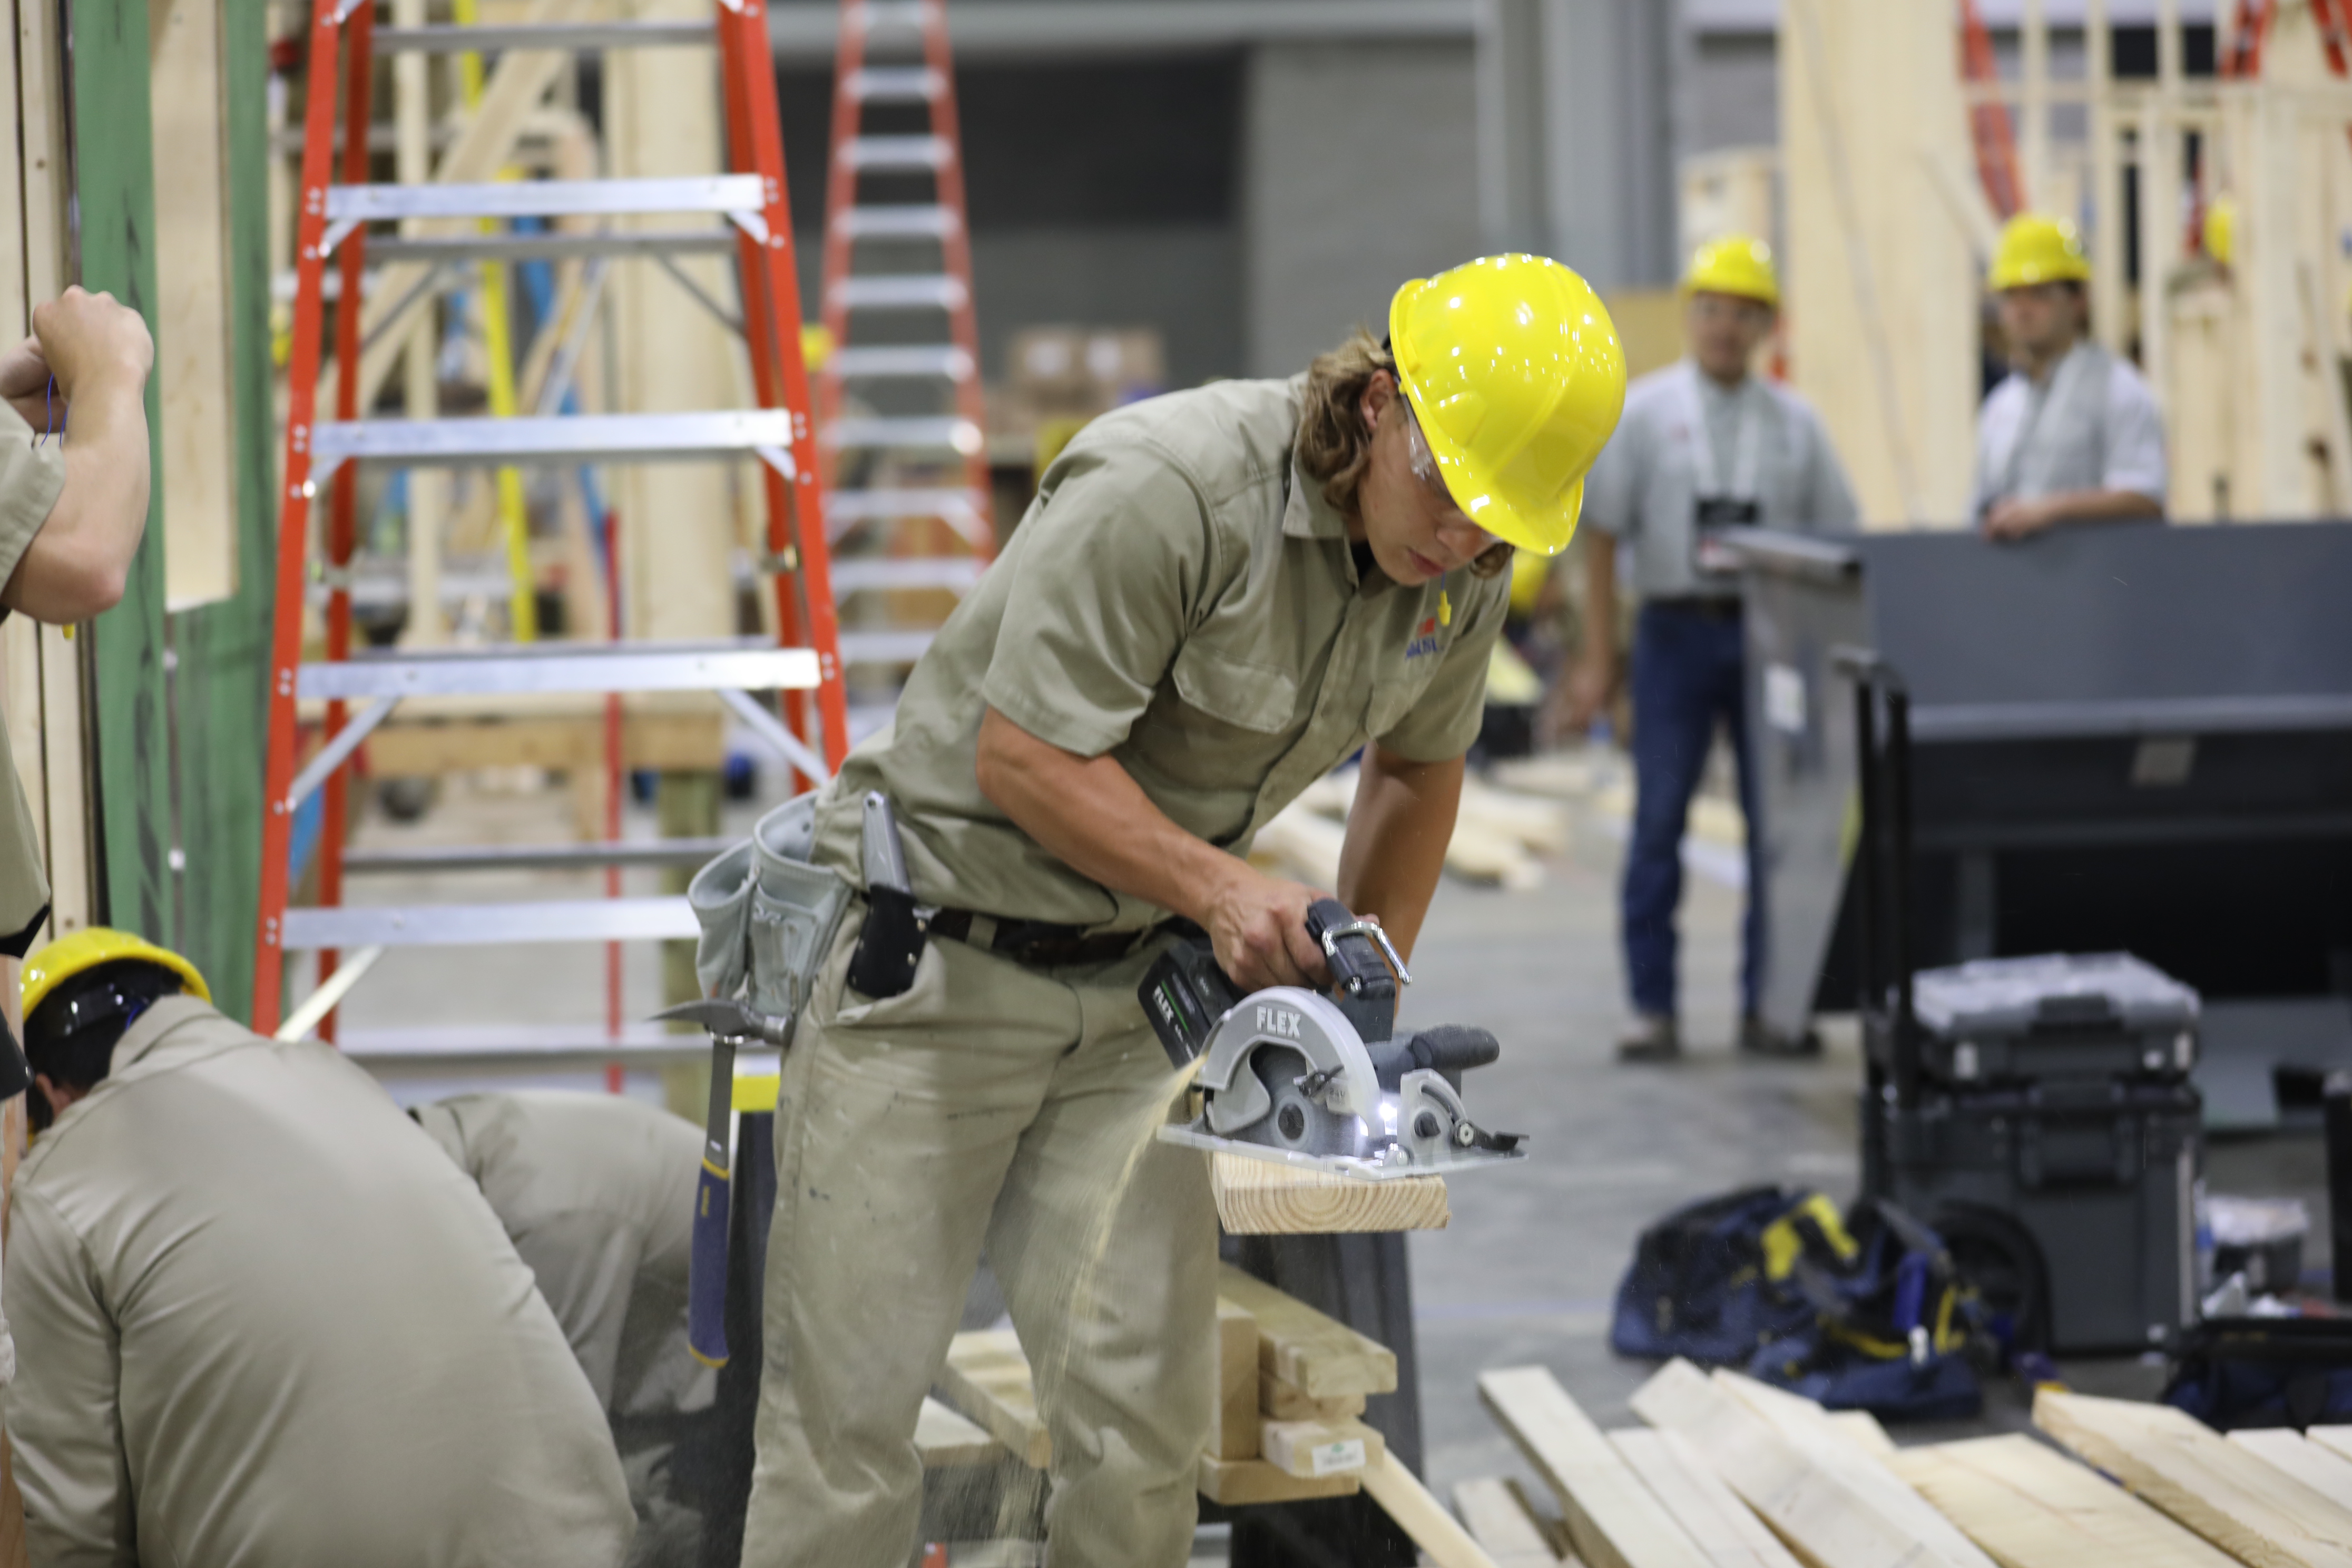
x: 2072, y: 435
x: 258, y: 1317
x: 1706, y: 449
x: 1218, y: 596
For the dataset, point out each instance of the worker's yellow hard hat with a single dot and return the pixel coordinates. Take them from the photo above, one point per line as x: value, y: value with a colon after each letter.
x: 84, y: 950
x: 2039, y: 250
x: 2221, y: 230
x: 1513, y: 369
x: 816, y: 345
x: 1735, y: 264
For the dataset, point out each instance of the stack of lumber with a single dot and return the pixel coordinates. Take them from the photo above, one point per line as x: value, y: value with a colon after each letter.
x: 1498, y: 834
x: 1259, y: 1197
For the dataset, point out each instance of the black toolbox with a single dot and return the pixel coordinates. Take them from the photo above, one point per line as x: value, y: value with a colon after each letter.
x: 2035, y: 1111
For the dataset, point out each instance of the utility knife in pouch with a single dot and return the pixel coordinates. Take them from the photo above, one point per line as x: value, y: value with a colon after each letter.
x: 890, y: 945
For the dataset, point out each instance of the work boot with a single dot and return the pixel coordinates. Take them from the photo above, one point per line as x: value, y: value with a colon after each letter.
x: 1759, y: 1038
x: 1654, y: 1039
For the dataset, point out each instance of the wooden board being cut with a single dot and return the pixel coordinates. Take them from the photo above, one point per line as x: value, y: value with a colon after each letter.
x: 2335, y: 1439
x: 1498, y: 1520
x: 1232, y: 1419
x: 2032, y: 1507
x: 1258, y: 1197
x: 1319, y: 1356
x: 1834, y: 1505
x: 1724, y: 1527
x: 1613, y: 1521
x: 987, y: 1377
x: 2321, y: 1468
x: 1438, y: 1534
x: 946, y: 1439
x: 1234, y: 1482
x: 2227, y: 1494
x: 1279, y: 1400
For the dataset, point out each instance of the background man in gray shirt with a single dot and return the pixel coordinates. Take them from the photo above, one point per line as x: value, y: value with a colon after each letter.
x: 1704, y: 448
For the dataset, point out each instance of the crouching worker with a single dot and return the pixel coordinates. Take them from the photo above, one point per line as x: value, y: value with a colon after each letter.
x: 596, y: 1192
x: 260, y: 1319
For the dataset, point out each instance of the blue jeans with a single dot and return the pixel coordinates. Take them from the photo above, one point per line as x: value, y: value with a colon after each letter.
x: 1688, y: 674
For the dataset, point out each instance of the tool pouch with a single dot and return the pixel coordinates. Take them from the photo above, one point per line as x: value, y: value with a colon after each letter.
x: 768, y: 916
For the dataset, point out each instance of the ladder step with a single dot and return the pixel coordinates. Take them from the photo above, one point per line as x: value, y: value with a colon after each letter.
x: 734, y: 194
x: 746, y: 665
x: 443, y: 39
x: 892, y: 84
x: 880, y: 15
x: 882, y: 153
x: 558, y: 438
x: 535, y: 1047
x: 919, y: 221
x: 885, y: 648
x: 954, y: 571
x: 919, y: 291
x: 535, y: 857
x: 845, y: 507
x: 928, y: 359
x: 853, y: 435
x: 349, y: 926
x: 547, y: 245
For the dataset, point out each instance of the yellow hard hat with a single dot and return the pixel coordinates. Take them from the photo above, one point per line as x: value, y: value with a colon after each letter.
x: 2221, y: 230
x: 1529, y: 573
x: 816, y: 345
x: 84, y: 950
x: 1735, y: 264
x: 1513, y: 368
x: 2039, y: 250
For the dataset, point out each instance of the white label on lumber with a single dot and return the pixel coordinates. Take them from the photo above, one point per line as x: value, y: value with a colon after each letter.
x: 1335, y: 1458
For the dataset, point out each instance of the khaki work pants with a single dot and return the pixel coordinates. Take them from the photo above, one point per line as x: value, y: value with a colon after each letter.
x: 989, y: 1103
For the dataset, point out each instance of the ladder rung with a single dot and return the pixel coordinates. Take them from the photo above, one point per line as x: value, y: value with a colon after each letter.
x: 961, y: 435
x: 444, y: 39
x: 918, y: 221
x: 875, y: 16
x: 535, y: 857
x: 884, y: 647
x: 739, y: 665
x: 887, y: 152
x: 916, y: 291
x: 550, y: 247
x: 545, y: 198
x: 927, y: 359
x: 954, y: 571
x: 530, y: 1045
x: 351, y: 926
x: 902, y: 84
x: 845, y: 506
x: 563, y: 438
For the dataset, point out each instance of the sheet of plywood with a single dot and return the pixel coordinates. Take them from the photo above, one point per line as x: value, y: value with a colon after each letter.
x: 1318, y: 1448
x: 1438, y: 1534
x: 1317, y: 1355
x: 2323, y: 1470
x: 1834, y: 1505
x: 2226, y: 1493
x: 2030, y: 1506
x: 1258, y: 1197
x: 1613, y: 1521
x: 1709, y: 1512
x: 1232, y: 1419
x: 946, y: 1439
x: 1281, y: 1402
x: 1235, y: 1482
x: 1498, y: 1520
x: 987, y: 1377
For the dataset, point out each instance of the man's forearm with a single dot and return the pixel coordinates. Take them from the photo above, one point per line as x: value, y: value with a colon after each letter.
x: 77, y: 564
x: 1600, y: 598
x: 1397, y: 833
x: 2101, y: 506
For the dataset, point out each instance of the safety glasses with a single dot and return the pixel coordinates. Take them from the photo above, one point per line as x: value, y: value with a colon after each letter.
x: 1422, y: 460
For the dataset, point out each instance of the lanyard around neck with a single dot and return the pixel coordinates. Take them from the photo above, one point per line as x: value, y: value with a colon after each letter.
x: 1747, y: 456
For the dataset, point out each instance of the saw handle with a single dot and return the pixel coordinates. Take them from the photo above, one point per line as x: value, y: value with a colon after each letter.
x: 1358, y: 968
x: 1451, y: 1049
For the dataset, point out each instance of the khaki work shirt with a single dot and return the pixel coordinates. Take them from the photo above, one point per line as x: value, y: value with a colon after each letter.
x: 1181, y: 598
x: 261, y: 1321
x: 596, y: 1192
x: 31, y: 479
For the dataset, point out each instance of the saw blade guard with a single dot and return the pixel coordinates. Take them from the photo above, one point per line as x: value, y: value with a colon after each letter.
x: 1340, y: 1075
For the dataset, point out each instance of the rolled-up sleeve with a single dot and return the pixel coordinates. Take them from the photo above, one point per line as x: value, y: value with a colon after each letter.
x: 63, y: 1411
x: 1445, y: 719
x: 1109, y: 574
x: 2135, y: 454
x: 31, y: 476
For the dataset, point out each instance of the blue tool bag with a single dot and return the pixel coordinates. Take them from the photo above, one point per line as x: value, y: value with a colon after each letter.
x: 2232, y: 1372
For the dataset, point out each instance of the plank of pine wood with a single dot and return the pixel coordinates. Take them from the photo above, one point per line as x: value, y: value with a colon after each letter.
x: 946, y: 1439
x: 1312, y: 1448
x: 1834, y: 1505
x: 1258, y: 1197
x: 1709, y: 1512
x: 1613, y: 1521
x: 1277, y: 1399
x: 1320, y: 1357
x: 2335, y: 1439
x: 987, y: 1377
x: 1421, y: 1516
x: 1497, y: 1519
x: 1235, y: 1482
x: 2224, y: 1493
x: 1232, y: 1421
x: 1861, y: 1428
x: 2030, y: 1506
x: 2323, y: 1470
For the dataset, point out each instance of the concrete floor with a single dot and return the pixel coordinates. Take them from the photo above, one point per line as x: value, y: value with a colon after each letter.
x: 1526, y: 1271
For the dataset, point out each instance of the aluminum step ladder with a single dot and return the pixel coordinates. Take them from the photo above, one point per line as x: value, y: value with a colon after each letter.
x: 897, y: 303
x: 742, y: 210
